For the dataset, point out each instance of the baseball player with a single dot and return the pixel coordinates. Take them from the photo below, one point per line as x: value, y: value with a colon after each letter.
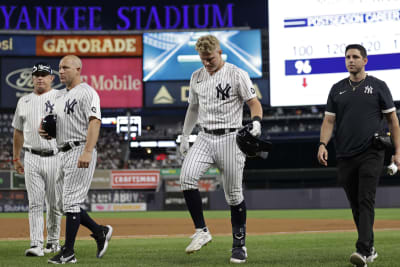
x: 40, y: 160
x: 216, y: 96
x: 78, y: 126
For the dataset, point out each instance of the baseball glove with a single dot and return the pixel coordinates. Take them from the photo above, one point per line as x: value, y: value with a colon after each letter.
x: 49, y: 125
x: 250, y: 145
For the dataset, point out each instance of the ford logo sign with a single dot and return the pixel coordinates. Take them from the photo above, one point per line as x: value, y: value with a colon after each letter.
x: 21, y: 79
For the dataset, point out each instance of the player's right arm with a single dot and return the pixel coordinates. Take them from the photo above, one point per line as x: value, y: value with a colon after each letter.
x: 18, y: 137
x: 18, y: 141
x: 192, y: 114
x: 326, y: 134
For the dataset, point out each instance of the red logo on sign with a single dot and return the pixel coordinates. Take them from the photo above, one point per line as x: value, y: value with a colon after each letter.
x: 118, y: 81
x: 139, y: 179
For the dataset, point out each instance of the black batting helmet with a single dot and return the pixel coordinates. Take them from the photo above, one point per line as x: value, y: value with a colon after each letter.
x: 49, y: 124
x: 249, y: 144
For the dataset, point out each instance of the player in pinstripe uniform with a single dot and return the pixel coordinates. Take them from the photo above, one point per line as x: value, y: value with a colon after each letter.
x: 216, y: 97
x: 40, y: 160
x: 78, y: 126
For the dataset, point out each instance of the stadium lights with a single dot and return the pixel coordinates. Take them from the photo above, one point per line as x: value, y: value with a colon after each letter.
x: 109, y: 120
x: 192, y: 138
x: 166, y: 144
x: 148, y: 144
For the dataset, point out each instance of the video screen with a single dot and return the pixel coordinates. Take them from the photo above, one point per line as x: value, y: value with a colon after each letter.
x: 172, y: 55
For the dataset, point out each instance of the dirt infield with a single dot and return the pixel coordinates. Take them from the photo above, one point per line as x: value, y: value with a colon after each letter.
x: 19, y: 228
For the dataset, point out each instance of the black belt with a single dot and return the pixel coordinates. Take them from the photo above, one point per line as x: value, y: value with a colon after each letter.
x: 69, y: 146
x: 219, y: 131
x: 42, y: 153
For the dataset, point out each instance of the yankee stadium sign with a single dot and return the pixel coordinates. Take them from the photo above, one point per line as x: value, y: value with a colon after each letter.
x: 127, y: 17
x: 138, y: 15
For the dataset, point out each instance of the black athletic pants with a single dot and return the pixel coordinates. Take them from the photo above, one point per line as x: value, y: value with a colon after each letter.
x: 359, y: 176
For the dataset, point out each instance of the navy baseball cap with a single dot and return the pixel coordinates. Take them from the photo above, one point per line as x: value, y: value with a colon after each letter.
x: 42, y: 68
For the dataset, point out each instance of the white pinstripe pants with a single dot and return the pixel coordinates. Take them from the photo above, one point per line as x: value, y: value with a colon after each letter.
x: 222, y: 151
x: 40, y: 175
x: 73, y: 183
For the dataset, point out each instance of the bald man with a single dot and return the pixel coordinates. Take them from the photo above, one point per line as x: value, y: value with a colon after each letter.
x: 78, y: 126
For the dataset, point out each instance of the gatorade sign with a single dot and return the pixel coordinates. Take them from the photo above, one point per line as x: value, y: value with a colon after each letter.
x: 82, y: 45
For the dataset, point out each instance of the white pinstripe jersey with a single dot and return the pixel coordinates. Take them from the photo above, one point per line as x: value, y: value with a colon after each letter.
x: 73, y: 109
x: 221, y: 96
x: 30, y: 111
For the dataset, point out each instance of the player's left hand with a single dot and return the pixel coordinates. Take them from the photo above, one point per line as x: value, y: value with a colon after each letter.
x: 256, y: 131
x: 84, y: 159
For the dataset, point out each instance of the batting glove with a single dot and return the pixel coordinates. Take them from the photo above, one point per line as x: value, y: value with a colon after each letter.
x: 184, y: 147
x: 256, y: 131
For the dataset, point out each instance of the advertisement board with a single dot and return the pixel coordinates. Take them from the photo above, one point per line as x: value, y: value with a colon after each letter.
x: 16, y: 73
x: 172, y: 55
x: 101, y: 179
x: 135, y: 179
x: 13, y: 201
x: 89, y: 45
x: 18, y: 181
x: 17, y: 45
x: 172, y: 94
x: 119, y: 207
x: 5, y: 180
x: 210, y: 181
x: 176, y: 201
x: 118, y: 81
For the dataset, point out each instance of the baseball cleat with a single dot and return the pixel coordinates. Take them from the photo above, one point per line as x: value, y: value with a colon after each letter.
x: 199, y: 239
x: 373, y: 255
x: 358, y: 260
x: 239, y: 255
x: 65, y: 256
x: 102, y: 240
x: 34, y: 251
x: 52, y: 248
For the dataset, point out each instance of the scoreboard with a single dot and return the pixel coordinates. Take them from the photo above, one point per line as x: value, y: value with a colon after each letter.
x: 308, y: 40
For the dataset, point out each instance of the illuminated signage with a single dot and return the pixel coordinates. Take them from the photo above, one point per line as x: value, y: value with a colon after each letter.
x: 135, y: 179
x: 140, y: 17
x: 172, y: 94
x: 16, y: 73
x: 17, y: 45
x: 118, y: 45
x: 118, y: 81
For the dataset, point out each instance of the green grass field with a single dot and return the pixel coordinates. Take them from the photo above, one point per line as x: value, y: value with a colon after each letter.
x: 311, y: 249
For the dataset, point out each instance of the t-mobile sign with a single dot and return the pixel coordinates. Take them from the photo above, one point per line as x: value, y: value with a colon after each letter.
x: 118, y: 81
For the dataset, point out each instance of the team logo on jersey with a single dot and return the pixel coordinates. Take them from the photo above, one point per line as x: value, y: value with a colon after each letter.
x: 368, y: 89
x: 94, y: 109
x: 252, y: 90
x: 69, y: 106
x: 223, y: 92
x: 49, y: 107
